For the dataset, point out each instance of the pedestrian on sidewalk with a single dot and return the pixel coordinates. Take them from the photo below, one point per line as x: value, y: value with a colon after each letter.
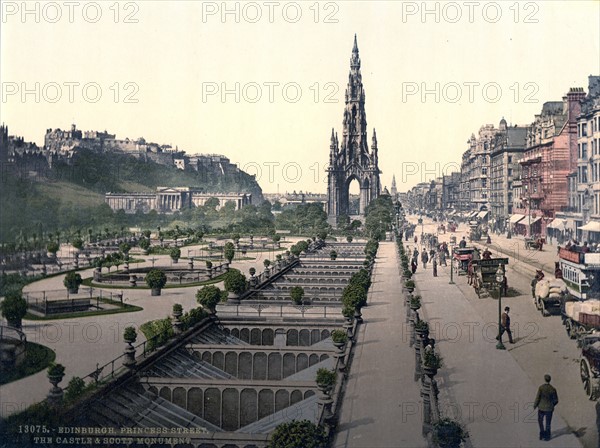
x: 505, y: 326
x: 463, y: 243
x: 424, y: 258
x: 413, y: 266
x: 434, y: 266
x: 545, y: 401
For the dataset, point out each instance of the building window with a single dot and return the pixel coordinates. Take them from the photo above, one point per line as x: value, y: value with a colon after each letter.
x: 509, y: 159
x: 484, y: 171
x: 583, y: 129
x: 484, y: 183
x: 584, y: 150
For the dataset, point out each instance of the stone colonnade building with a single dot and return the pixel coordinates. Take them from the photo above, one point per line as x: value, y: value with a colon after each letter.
x: 169, y: 200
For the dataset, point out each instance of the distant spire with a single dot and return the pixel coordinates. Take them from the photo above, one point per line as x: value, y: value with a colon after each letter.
x: 355, y: 59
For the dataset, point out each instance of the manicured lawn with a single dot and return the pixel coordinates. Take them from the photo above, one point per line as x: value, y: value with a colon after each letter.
x: 37, y: 357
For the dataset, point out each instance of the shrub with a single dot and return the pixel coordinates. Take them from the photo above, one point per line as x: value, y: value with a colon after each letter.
x: 348, y: 311
x: 14, y: 308
x: 297, y: 294
x: 209, y: 297
x: 325, y: 378
x: 56, y: 369
x: 415, y: 301
x: 53, y: 247
x: 209, y: 264
x: 235, y: 281
x: 175, y: 253
x: 252, y: 271
x: 74, y: 389
x: 177, y: 308
x: 144, y: 243
x: 72, y: 280
x: 349, y: 238
x: 157, y: 332
x: 267, y: 263
x: 432, y: 360
x: 354, y: 296
x: 130, y: 335
x: 339, y: 336
x: 333, y: 254
x: 447, y: 432
x: 422, y: 325
x: 192, y: 317
x: 229, y: 251
x: 409, y: 283
x: 298, y: 434
x: 156, y: 279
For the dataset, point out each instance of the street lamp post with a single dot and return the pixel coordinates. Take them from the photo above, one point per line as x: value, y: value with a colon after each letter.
x: 451, y: 282
x: 499, y: 281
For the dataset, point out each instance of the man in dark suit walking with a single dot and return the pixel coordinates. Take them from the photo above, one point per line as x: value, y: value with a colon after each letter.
x: 545, y: 401
x: 505, y: 326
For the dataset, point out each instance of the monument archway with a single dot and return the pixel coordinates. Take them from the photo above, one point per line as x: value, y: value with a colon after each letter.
x: 351, y: 160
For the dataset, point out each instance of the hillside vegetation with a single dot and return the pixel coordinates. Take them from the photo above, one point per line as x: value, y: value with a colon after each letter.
x: 72, y: 197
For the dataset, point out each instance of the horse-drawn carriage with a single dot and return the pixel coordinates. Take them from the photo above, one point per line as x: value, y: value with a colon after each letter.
x: 534, y: 243
x: 462, y: 256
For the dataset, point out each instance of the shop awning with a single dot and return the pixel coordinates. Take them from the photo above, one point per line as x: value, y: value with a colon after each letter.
x: 472, y: 214
x: 516, y: 218
x: 482, y: 215
x: 592, y: 226
x: 532, y: 222
x: 558, y: 223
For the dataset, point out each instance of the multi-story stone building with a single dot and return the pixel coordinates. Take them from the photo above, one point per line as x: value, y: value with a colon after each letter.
x: 170, y: 200
x: 581, y: 218
x: 550, y: 156
x: 451, y: 191
x: 508, y: 146
x: 475, y: 171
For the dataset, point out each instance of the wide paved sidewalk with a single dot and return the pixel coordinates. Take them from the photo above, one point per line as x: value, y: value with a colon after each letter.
x: 382, y: 405
x: 482, y: 386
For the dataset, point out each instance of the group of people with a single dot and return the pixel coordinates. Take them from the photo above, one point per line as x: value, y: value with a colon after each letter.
x: 575, y: 246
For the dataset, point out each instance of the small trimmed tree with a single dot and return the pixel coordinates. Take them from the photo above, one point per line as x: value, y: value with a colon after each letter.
x: 144, y: 244
x: 130, y: 334
x: 209, y: 297
x: 14, y: 308
x: 235, y: 282
x: 229, y: 251
x: 53, y: 248
x: 175, y: 254
x: 156, y: 279
x: 297, y: 294
x: 72, y: 282
x: 124, y: 248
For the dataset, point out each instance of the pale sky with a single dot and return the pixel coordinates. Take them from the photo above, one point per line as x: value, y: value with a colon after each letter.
x: 178, y: 54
